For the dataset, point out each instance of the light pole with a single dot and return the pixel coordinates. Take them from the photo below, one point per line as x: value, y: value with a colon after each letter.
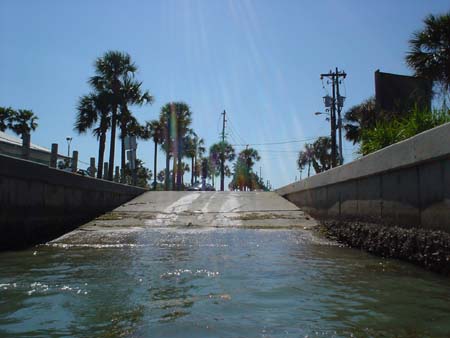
x: 69, y: 140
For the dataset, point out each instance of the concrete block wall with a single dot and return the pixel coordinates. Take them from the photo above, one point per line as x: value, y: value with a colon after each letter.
x: 405, y: 184
x: 39, y: 203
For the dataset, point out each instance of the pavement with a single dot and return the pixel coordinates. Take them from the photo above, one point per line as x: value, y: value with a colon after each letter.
x: 192, y: 209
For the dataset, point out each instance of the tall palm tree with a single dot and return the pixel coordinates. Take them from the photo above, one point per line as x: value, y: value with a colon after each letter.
x: 216, y: 151
x: 111, y: 71
x: 194, y: 147
x: 305, y: 158
x: 156, y: 133
x: 130, y: 94
x: 166, y: 118
x: 91, y: 109
x: 429, y: 54
x: 176, y: 117
x: 22, y: 122
x: 250, y: 156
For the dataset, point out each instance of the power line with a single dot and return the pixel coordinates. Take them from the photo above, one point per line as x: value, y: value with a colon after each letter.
x: 279, y: 142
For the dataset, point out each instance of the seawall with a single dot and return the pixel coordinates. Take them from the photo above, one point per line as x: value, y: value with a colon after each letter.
x: 406, y: 184
x: 39, y: 203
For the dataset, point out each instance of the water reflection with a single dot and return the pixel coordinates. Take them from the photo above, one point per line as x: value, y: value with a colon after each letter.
x: 221, y: 282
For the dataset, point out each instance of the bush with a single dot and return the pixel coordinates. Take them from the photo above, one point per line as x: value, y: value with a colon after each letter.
x: 386, y: 133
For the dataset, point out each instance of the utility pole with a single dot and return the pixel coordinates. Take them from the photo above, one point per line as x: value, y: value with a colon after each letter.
x: 335, y: 106
x: 222, y: 154
x: 340, y: 104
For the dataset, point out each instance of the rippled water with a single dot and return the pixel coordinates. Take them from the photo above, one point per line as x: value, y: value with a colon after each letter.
x: 218, y: 283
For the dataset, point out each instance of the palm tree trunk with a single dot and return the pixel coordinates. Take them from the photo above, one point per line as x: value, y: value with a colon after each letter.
x: 179, y: 171
x: 309, y: 167
x: 167, y: 178
x: 113, y: 144
x: 101, y: 154
x: 195, y: 168
x: 123, y: 130
x: 154, y: 166
x: 174, y: 171
x: 192, y: 170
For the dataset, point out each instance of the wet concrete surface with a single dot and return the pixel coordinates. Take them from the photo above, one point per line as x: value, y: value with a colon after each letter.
x: 191, y: 209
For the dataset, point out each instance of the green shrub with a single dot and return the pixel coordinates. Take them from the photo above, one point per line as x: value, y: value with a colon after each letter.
x: 386, y: 133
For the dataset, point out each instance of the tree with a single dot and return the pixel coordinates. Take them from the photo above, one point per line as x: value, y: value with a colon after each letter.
x: 176, y: 119
x: 111, y: 71
x: 243, y: 176
x: 5, y: 117
x: 429, y: 54
x: 359, y: 117
x: 130, y: 94
x: 194, y: 147
x: 22, y: 122
x: 250, y: 156
x: 305, y: 158
x: 143, y: 174
x: 161, y: 176
x: 91, y: 109
x: 217, y: 160
x: 322, y: 154
x: 317, y: 154
x: 156, y: 133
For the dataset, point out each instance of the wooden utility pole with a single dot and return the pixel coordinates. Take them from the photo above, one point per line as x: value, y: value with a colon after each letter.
x: 222, y: 154
x: 335, y: 108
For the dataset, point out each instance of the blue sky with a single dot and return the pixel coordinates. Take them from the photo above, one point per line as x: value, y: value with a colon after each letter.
x: 259, y: 60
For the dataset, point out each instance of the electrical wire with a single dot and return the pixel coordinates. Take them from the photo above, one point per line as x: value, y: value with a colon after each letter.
x: 279, y: 142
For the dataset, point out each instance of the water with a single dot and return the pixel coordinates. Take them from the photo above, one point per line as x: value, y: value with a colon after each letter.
x: 217, y: 283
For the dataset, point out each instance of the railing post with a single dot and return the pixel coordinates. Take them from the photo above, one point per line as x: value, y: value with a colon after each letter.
x: 54, y: 155
x: 74, y: 161
x: 92, y: 167
x: 105, y: 170
x: 117, y: 175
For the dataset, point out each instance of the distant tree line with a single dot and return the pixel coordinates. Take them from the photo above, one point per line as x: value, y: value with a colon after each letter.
x: 115, y: 90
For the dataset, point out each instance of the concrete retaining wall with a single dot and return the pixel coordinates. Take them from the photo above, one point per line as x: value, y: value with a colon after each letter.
x: 38, y: 203
x: 405, y: 184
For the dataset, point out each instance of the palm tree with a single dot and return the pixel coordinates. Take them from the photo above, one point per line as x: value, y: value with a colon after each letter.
x: 305, y: 158
x: 176, y: 119
x: 22, y: 122
x: 5, y: 117
x: 130, y: 94
x: 219, y: 161
x: 194, y: 147
x: 250, y: 156
x: 429, y: 54
x: 322, y: 154
x: 359, y: 117
x: 91, y: 109
x: 156, y: 133
x: 111, y: 71
x: 165, y: 121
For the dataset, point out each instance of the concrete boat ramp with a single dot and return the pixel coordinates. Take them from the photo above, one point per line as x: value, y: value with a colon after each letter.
x: 189, y: 210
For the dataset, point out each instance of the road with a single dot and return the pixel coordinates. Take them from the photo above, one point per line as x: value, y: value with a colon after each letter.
x: 190, y: 209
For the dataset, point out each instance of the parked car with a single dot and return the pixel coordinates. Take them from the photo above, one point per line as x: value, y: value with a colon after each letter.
x: 196, y: 187
x: 83, y: 172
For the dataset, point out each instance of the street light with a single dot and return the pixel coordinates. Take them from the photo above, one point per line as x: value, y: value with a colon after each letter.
x: 69, y: 140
